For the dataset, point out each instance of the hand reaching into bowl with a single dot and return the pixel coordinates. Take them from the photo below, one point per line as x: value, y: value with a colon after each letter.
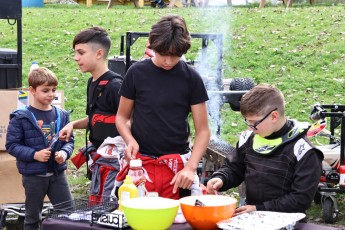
x: 214, y: 185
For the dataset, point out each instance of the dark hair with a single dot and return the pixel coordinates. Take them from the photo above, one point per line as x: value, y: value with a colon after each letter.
x: 261, y: 99
x: 96, y: 35
x: 170, y: 36
x: 41, y: 76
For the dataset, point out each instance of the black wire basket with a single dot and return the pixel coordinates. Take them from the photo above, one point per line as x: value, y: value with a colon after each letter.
x: 83, y: 210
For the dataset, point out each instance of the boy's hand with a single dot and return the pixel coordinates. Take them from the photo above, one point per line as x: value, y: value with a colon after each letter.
x: 214, y: 185
x: 131, y: 150
x: 60, y: 157
x: 183, y: 179
x: 65, y: 132
x: 244, y: 209
x: 43, y: 155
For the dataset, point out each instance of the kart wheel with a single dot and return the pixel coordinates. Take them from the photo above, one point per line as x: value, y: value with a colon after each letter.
x: 330, y: 215
x: 240, y: 84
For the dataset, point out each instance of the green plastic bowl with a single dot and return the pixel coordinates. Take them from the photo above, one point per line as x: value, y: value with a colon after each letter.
x: 150, y: 213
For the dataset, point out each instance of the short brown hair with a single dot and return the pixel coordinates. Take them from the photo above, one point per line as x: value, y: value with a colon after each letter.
x: 41, y: 76
x: 170, y: 36
x: 96, y: 35
x: 261, y: 99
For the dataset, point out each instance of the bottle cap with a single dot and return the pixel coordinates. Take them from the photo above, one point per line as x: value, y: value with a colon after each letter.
x: 34, y: 62
x: 128, y: 179
x: 135, y: 163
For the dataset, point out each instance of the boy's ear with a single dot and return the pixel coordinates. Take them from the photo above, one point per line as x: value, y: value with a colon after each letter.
x: 275, y: 115
x: 32, y: 89
x: 99, y: 53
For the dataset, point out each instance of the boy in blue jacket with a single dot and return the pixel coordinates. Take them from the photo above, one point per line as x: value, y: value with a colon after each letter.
x: 41, y: 157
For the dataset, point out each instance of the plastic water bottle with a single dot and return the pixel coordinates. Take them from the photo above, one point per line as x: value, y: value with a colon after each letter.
x: 136, y: 172
x: 127, y: 190
x: 34, y: 65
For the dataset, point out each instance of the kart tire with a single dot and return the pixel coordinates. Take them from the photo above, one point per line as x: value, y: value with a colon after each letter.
x: 239, y: 84
x: 330, y: 215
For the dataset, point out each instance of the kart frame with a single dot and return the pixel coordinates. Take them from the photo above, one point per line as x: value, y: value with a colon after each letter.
x: 328, y: 193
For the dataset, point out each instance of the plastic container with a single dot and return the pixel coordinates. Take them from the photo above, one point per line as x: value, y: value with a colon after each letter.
x: 34, y: 65
x: 127, y: 191
x: 137, y: 174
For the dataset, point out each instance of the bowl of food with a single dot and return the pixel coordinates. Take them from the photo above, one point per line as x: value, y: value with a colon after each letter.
x: 204, y: 211
x: 150, y: 213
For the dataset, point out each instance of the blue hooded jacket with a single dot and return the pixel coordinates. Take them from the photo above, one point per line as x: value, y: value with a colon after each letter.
x: 24, y: 138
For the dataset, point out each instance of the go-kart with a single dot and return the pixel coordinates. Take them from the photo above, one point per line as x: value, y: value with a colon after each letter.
x: 333, y: 165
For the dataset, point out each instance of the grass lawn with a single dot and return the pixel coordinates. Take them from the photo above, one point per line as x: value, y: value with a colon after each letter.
x: 301, y: 50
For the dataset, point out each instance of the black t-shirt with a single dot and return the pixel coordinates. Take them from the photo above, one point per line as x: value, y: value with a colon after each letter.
x: 163, y: 100
x: 109, y: 101
x: 106, y: 104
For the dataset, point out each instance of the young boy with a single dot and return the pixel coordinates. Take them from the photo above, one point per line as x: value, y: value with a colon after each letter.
x: 91, y: 47
x: 31, y: 139
x: 157, y: 96
x: 279, y: 165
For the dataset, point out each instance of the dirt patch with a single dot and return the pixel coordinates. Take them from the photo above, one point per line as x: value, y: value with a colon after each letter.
x: 319, y: 221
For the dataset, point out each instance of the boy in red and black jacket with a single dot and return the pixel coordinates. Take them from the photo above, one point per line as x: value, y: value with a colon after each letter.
x: 91, y: 48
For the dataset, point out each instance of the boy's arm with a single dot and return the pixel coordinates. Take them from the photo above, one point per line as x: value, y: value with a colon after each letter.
x: 15, y: 142
x: 184, y: 178
x: 68, y: 146
x: 202, y: 135
x: 67, y: 131
x: 232, y: 171
x: 122, y: 123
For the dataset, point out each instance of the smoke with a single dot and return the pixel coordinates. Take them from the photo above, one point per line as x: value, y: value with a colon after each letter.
x: 210, y: 60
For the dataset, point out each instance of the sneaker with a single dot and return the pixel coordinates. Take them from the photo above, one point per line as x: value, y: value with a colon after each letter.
x: 161, y: 3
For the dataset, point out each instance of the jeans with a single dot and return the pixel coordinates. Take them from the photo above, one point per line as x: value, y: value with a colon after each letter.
x: 36, y: 188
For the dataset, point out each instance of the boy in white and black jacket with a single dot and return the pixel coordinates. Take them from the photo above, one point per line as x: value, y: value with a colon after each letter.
x: 275, y: 159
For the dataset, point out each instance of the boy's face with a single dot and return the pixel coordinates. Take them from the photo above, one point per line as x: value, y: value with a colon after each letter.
x: 86, y: 57
x: 43, y: 96
x: 165, y: 62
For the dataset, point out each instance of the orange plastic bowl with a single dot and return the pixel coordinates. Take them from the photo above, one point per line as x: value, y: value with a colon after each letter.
x: 217, y: 208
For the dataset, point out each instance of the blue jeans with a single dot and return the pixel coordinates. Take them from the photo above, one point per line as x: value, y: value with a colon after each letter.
x: 36, y: 188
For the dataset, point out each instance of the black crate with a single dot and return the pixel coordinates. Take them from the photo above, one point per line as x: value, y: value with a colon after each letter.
x: 9, y: 76
x: 83, y: 210
x: 117, y: 65
x: 10, y: 9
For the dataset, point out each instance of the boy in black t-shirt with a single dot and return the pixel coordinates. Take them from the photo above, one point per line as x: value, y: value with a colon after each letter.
x: 31, y: 138
x: 157, y: 96
x: 91, y: 48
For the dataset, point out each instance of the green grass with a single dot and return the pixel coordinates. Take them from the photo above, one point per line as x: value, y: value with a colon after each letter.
x: 301, y: 50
